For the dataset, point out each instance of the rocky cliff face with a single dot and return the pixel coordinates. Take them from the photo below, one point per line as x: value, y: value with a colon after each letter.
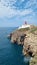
x: 27, y: 38
x: 33, y: 61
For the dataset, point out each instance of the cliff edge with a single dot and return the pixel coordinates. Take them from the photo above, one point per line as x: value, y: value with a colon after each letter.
x: 28, y: 38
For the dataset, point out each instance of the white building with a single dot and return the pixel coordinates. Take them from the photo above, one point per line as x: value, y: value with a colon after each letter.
x: 24, y: 26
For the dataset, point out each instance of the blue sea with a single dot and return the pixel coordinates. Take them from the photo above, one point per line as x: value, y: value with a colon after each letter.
x: 10, y: 54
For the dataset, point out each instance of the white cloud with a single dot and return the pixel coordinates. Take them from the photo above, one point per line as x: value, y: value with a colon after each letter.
x: 8, y: 1
x: 6, y: 11
x: 30, y: 3
x: 26, y: 11
x: 10, y: 12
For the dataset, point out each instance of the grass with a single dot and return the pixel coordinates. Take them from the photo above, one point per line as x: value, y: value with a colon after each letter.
x: 33, y: 30
x: 24, y: 29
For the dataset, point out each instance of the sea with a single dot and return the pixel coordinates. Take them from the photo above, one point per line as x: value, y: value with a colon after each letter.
x: 10, y: 54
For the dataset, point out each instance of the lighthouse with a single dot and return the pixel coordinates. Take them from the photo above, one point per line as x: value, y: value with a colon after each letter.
x: 25, y: 25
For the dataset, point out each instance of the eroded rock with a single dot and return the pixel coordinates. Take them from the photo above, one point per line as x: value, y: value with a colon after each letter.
x: 27, y: 38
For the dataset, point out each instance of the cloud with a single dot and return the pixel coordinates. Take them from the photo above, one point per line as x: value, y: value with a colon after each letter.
x: 26, y: 12
x: 8, y: 10
x: 8, y: 1
x: 30, y: 3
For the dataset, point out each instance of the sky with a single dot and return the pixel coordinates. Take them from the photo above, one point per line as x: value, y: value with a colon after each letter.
x: 14, y: 13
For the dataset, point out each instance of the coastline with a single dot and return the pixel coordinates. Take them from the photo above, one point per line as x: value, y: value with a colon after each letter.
x: 28, y: 38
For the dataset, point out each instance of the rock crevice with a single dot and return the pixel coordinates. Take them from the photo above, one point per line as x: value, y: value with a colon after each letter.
x: 27, y: 38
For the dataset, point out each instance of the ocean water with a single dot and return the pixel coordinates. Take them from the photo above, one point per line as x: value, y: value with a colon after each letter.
x: 10, y: 54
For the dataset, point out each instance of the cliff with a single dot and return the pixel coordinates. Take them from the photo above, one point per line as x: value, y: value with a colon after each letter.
x: 28, y: 38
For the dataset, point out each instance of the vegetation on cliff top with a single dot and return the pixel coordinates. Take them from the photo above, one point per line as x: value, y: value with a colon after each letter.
x: 33, y: 30
x: 24, y: 29
x: 31, y: 39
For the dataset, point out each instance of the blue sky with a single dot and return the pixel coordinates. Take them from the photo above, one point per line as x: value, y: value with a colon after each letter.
x: 13, y: 13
